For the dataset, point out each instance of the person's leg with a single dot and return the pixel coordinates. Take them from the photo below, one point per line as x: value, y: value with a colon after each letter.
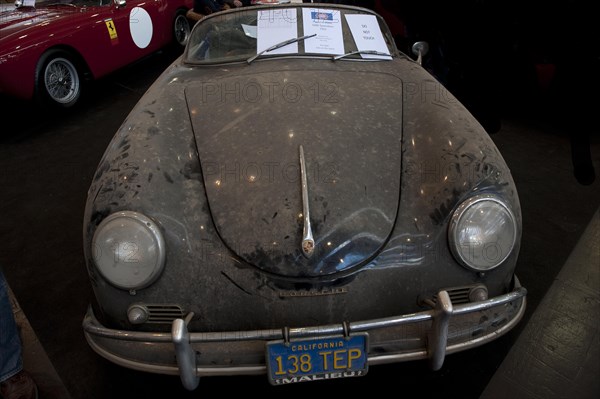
x: 10, y: 345
x: 575, y: 86
x: 15, y: 383
x: 206, y: 6
x: 581, y: 155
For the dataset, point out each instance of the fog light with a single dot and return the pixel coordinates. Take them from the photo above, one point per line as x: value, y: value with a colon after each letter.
x: 479, y: 293
x: 137, y: 314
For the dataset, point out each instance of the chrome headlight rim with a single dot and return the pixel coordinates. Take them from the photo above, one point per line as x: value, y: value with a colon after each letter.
x: 454, y: 224
x: 153, y: 231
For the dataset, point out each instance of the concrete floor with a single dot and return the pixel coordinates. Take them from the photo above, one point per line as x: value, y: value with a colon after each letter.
x: 558, y: 353
x: 47, y: 163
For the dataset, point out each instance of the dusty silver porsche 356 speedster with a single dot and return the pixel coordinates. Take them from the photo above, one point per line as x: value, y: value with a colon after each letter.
x: 294, y: 196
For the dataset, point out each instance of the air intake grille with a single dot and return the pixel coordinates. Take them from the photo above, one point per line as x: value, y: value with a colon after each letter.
x: 163, y: 313
x: 458, y: 295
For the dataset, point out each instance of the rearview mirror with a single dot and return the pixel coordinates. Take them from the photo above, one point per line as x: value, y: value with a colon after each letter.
x: 420, y: 49
x: 120, y: 3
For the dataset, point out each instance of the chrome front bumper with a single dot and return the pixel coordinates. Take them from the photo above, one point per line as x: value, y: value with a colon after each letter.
x: 429, y: 335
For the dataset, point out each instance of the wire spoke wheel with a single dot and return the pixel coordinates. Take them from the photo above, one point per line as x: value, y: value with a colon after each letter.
x: 181, y: 29
x: 61, y: 81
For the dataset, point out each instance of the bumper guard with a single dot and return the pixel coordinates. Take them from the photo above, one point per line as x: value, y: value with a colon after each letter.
x: 437, y: 343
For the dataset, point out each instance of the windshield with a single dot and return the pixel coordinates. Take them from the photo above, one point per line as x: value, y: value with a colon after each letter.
x: 251, y: 33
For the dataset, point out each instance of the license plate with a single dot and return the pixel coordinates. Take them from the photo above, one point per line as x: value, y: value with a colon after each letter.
x: 316, y: 359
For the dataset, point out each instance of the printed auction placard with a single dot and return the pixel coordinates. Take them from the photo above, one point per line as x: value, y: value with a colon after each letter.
x: 367, y: 35
x: 275, y: 26
x: 327, y: 25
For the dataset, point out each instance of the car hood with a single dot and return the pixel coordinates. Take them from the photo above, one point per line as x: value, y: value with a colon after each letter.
x: 19, y: 20
x: 248, y: 130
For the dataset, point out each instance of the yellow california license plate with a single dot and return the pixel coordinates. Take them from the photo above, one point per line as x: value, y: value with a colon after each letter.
x: 316, y: 359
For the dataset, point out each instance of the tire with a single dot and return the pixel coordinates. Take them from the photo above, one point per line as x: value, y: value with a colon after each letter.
x: 58, y: 80
x: 181, y: 29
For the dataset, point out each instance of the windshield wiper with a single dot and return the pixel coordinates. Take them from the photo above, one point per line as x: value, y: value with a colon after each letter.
x: 279, y: 45
x: 371, y: 52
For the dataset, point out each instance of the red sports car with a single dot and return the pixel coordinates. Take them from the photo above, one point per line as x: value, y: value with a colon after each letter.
x: 47, y: 50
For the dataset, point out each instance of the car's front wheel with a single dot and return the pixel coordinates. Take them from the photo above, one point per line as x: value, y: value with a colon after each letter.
x: 181, y: 28
x: 58, y: 80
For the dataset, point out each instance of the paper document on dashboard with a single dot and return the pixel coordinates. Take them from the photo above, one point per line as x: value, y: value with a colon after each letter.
x: 327, y: 25
x: 367, y: 35
x: 249, y: 30
x: 275, y: 26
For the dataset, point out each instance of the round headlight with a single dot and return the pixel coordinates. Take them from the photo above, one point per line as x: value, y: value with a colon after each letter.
x: 482, y: 232
x: 129, y: 250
